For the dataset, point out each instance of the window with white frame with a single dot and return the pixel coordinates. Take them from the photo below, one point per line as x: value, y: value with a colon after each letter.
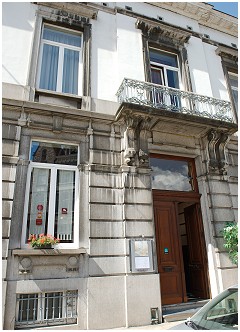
x: 164, y: 68
x: 41, y: 309
x: 51, y: 196
x: 165, y: 72
x: 60, y: 63
x: 233, y: 82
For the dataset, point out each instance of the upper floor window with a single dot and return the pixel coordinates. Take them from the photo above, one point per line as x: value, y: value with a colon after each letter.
x: 60, y: 67
x: 52, y: 195
x: 233, y: 82
x: 164, y: 68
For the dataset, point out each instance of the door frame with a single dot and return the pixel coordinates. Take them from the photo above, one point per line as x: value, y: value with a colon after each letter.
x: 180, y: 197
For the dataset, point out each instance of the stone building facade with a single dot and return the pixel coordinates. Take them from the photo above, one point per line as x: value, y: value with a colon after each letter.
x: 119, y: 137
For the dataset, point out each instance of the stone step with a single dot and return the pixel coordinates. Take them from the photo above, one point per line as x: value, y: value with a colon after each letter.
x: 181, y: 311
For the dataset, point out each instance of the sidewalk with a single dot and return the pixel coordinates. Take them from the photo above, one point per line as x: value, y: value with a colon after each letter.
x: 163, y: 326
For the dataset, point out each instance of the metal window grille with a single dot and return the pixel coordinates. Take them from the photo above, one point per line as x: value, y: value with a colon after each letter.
x: 46, y: 309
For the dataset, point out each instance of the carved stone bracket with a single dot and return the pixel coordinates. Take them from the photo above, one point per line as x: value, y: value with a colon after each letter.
x: 163, y: 32
x: 217, y: 162
x: 136, y: 134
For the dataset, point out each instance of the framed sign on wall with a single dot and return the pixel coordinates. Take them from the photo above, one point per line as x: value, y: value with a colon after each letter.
x: 141, y: 257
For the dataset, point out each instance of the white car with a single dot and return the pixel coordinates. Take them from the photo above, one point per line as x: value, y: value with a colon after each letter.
x: 220, y: 313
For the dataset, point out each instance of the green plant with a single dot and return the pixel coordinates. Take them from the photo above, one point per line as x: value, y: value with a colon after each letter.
x: 42, y: 240
x: 230, y: 236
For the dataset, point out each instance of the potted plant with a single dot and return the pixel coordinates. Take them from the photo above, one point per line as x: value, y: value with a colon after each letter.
x: 42, y: 241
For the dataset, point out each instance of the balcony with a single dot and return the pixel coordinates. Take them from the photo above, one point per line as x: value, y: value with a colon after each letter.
x: 174, y: 100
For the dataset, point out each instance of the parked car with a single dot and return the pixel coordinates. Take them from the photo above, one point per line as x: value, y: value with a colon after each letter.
x: 220, y: 313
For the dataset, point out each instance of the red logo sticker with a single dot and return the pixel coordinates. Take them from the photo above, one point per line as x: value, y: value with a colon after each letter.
x: 40, y: 207
x: 38, y: 221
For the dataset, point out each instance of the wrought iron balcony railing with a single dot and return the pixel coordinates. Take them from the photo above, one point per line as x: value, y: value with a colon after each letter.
x: 162, y: 97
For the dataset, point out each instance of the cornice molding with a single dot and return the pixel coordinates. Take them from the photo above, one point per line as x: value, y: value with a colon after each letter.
x: 204, y: 14
x: 226, y: 52
x: 163, y: 31
x: 75, y: 8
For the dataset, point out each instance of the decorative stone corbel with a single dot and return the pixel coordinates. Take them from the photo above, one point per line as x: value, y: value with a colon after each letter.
x: 144, y: 133
x: 131, y: 122
x: 221, y: 152
x: 217, y: 141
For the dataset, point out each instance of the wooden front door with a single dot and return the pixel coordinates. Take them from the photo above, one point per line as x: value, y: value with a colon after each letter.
x: 169, y: 253
x: 197, y: 268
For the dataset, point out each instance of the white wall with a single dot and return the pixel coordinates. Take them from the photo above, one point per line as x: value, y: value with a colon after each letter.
x: 116, y: 53
x: 198, y: 67
x: 104, y: 57
x: 17, y: 31
x: 215, y: 71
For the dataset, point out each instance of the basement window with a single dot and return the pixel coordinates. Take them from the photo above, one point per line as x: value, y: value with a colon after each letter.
x: 44, y: 309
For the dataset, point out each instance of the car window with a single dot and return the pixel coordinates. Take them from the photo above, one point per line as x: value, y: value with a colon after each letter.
x: 219, y: 315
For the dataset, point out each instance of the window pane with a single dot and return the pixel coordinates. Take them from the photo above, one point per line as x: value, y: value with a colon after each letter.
x: 233, y: 80
x: 157, y: 76
x: 64, y: 214
x: 54, y: 153
x: 163, y: 58
x: 27, y: 307
x: 70, y: 71
x: 173, y: 81
x: 62, y: 37
x: 168, y: 174
x: 38, y: 201
x: 53, y: 305
x: 235, y: 97
x: 49, y: 67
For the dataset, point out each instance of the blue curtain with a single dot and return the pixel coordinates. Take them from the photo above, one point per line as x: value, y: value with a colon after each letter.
x: 70, y: 72
x: 48, y: 78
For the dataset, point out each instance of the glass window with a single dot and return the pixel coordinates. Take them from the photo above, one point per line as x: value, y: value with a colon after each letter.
x: 171, y: 174
x: 50, y: 205
x: 164, y: 58
x: 164, y: 68
x: 60, y: 60
x: 54, y: 153
x: 233, y: 80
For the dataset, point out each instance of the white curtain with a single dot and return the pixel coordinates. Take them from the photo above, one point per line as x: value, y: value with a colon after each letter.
x: 62, y: 37
x: 49, y: 68
x: 38, y: 198
x: 65, y: 204
x: 70, y: 71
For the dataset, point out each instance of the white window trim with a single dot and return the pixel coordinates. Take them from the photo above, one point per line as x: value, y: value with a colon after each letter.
x: 61, y: 56
x: 165, y: 67
x: 52, y: 194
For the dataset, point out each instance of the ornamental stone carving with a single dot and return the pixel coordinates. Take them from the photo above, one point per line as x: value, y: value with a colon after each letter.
x: 136, y: 133
x: 162, y: 32
x: 217, y: 161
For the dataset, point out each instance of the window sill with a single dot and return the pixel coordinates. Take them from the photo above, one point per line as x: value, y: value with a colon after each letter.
x: 49, y: 252
x: 57, y: 98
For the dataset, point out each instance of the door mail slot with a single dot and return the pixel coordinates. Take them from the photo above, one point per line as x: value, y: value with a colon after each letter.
x: 168, y: 268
